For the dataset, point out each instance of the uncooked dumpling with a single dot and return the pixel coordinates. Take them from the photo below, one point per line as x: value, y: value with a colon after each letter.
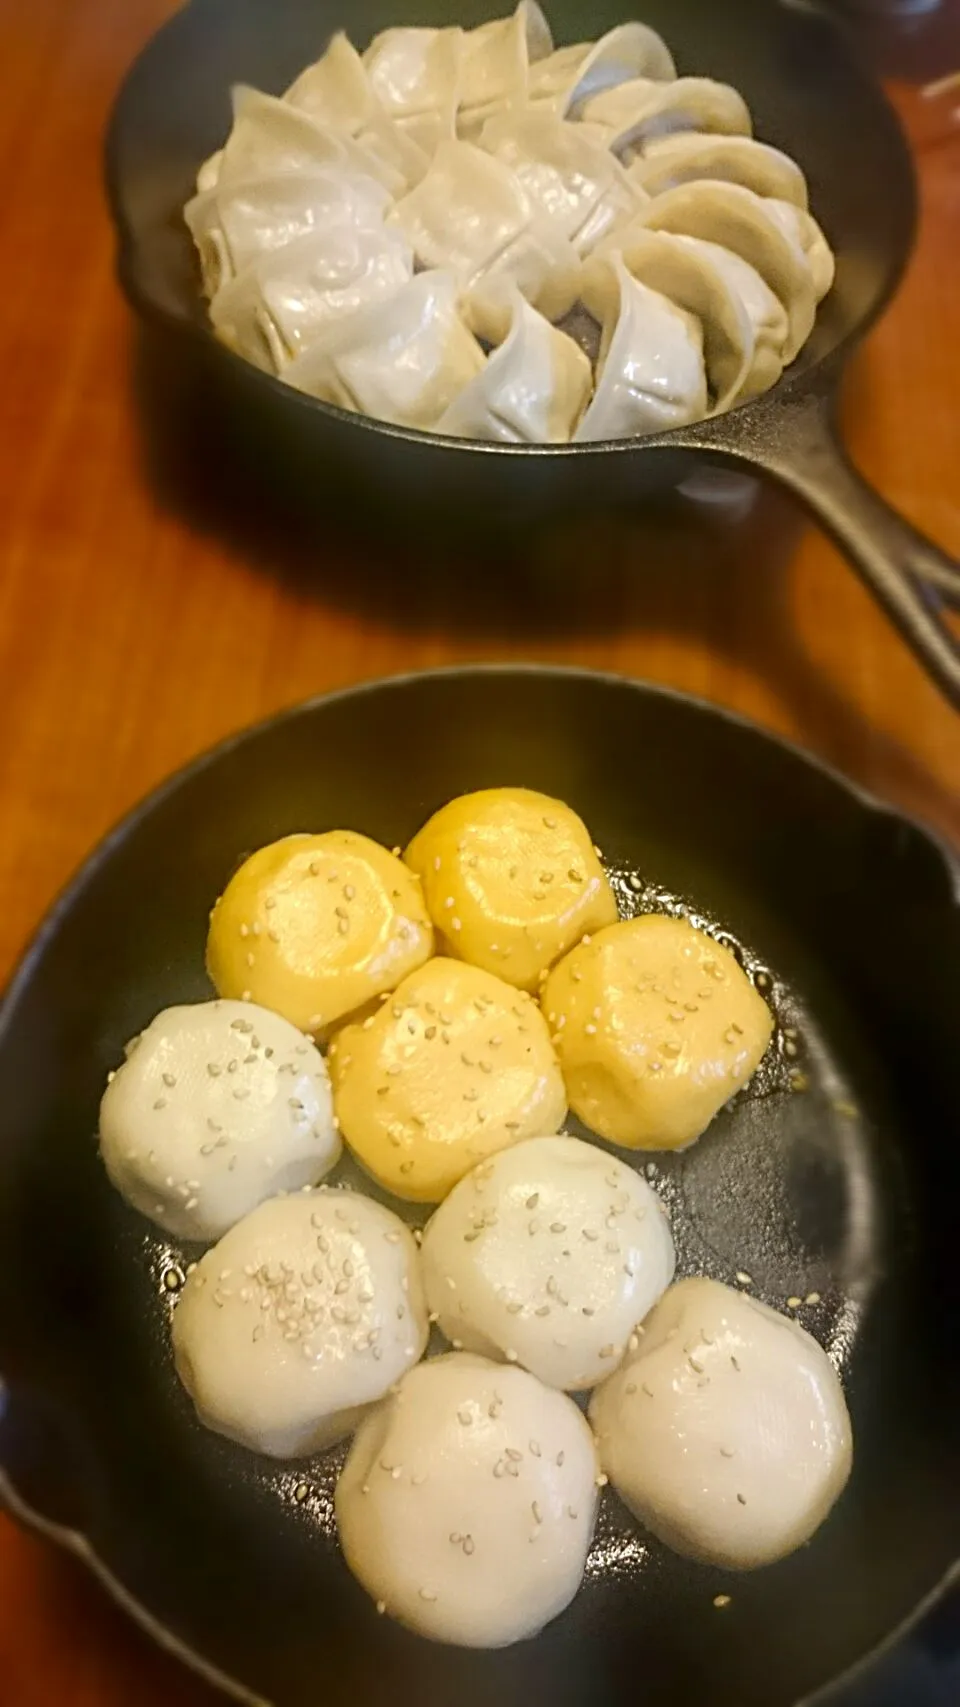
x: 403, y: 361
x: 650, y: 370
x: 315, y: 927
x: 415, y: 74
x: 466, y: 1504
x: 574, y: 182
x: 656, y: 1026
x: 336, y: 89
x: 456, y: 1066
x: 726, y: 1433
x: 285, y: 300
x: 270, y: 136
x: 464, y: 212
x: 532, y: 389
x: 571, y: 75
x: 511, y: 880
x: 670, y: 160
x: 303, y: 1315
x: 738, y: 220
x: 496, y: 62
x: 632, y: 114
x: 763, y: 308
x: 803, y: 231
x: 217, y: 1106
x: 548, y: 1255
x: 236, y: 222
x: 685, y: 274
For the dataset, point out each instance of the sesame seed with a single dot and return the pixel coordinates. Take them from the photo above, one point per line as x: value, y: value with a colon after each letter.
x: 794, y: 1303
x: 812, y: 1298
x: 744, y: 1278
x: 721, y: 1600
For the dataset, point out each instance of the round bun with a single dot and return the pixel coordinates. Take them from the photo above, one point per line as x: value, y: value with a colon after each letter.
x: 467, y: 1501
x: 302, y: 1316
x: 316, y: 926
x: 511, y: 880
x: 656, y: 1026
x: 549, y: 1255
x: 455, y: 1067
x: 218, y: 1106
x: 727, y: 1433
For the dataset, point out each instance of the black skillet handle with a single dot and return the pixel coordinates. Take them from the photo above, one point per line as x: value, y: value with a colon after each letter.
x: 795, y: 439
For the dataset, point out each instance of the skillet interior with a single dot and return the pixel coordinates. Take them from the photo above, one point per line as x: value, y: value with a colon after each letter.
x: 805, y: 90
x: 844, y: 1187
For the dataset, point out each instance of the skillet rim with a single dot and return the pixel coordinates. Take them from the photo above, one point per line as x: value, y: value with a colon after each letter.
x: 818, y: 378
x: 74, y: 1541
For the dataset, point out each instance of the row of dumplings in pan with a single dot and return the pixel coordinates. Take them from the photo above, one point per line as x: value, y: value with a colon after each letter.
x: 415, y: 233
x: 465, y: 993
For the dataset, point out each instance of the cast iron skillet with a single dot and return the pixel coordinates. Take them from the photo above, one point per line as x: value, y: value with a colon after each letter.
x: 843, y: 1181
x: 806, y: 94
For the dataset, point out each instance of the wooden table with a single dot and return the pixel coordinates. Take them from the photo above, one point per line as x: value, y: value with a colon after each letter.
x: 136, y: 626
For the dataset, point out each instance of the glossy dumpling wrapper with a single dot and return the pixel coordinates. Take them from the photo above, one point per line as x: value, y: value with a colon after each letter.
x: 727, y: 1432
x: 548, y: 1255
x: 316, y: 927
x: 571, y: 75
x: 235, y: 222
x: 283, y: 303
x: 802, y: 229
x: 689, y: 279
x: 496, y: 63
x: 336, y: 89
x: 738, y: 220
x: 403, y: 361
x: 299, y: 1320
x: 535, y: 383
x: 217, y: 1106
x: 271, y: 136
x: 415, y: 74
x: 632, y: 114
x: 650, y: 370
x: 209, y: 172
x: 466, y: 1505
x: 687, y: 155
x: 763, y: 307
x: 574, y: 182
x: 464, y: 213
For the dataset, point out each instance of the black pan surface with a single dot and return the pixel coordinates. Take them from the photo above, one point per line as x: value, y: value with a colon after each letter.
x: 836, y: 1172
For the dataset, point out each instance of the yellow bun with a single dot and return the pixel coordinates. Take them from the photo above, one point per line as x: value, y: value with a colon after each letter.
x: 511, y: 880
x: 454, y: 1068
x: 656, y: 1025
x: 315, y: 926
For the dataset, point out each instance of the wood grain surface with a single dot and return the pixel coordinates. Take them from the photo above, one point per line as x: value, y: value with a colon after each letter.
x: 142, y: 616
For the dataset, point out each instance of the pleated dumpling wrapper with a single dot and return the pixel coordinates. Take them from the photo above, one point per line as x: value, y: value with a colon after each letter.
x: 802, y: 229
x: 404, y: 360
x: 236, y: 222
x: 726, y: 1432
x: 456, y: 1066
x: 284, y: 302
x: 687, y: 276
x: 336, y: 89
x: 650, y: 369
x: 471, y: 215
x: 534, y: 385
x: 270, y: 135
x: 738, y: 220
x: 577, y: 186
x: 633, y: 114
x: 548, y: 1255
x: 511, y: 879
x: 567, y: 78
x: 467, y: 1502
x: 681, y: 158
x: 656, y: 1025
x: 415, y: 74
x: 316, y: 927
x: 299, y: 1320
x: 217, y: 1106
x: 495, y: 68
